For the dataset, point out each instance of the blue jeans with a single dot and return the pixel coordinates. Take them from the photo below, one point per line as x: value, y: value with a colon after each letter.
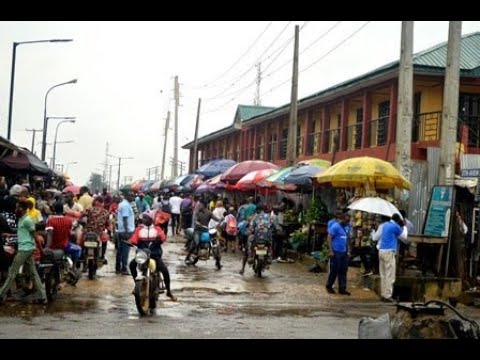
x: 338, y: 266
x: 74, y: 251
x: 122, y: 251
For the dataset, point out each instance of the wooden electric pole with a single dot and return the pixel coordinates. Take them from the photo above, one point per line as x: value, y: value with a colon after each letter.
x: 167, y: 123
x: 195, y: 140
x: 292, y: 125
x: 405, y: 102
x: 175, y: 146
x: 448, y: 134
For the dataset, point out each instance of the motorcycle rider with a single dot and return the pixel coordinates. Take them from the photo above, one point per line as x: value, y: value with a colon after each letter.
x: 142, y: 236
x: 202, y: 218
x: 97, y: 222
x: 260, y: 229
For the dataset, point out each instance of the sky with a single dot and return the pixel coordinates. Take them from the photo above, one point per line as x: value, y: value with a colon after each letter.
x: 126, y: 71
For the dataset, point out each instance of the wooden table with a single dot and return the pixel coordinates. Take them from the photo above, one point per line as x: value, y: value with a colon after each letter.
x: 430, y: 240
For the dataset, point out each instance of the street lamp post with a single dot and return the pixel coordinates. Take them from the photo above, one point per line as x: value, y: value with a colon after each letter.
x: 55, y: 141
x: 12, y: 77
x: 45, y: 118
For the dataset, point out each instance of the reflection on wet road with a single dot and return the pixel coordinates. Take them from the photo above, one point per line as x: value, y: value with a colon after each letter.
x: 289, y: 302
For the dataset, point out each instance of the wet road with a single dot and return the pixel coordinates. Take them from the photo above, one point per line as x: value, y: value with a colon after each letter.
x: 289, y: 302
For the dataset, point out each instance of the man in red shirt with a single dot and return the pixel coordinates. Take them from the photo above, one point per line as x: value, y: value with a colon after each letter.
x: 59, y: 228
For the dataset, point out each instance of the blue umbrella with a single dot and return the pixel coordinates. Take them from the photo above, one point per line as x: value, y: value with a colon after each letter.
x: 215, y: 167
x: 303, y: 175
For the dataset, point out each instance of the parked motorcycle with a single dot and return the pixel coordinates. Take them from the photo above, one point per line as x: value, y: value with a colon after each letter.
x: 148, y: 283
x: 55, y: 268
x: 207, y: 245
x: 92, y: 247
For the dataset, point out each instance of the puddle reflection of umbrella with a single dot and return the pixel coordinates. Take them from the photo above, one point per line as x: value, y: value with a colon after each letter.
x: 375, y: 205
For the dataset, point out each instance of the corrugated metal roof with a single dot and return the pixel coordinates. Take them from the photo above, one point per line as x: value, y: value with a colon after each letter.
x: 248, y: 111
x: 437, y: 55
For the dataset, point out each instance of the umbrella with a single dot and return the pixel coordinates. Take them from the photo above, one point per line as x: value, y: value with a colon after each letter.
x: 215, y: 167
x: 146, y: 185
x: 375, y: 205
x: 316, y: 162
x: 216, y: 182
x: 137, y: 185
x: 303, y: 175
x: 238, y: 171
x: 250, y: 180
x: 156, y: 185
x: 73, y: 189
x: 277, y: 180
x: 361, y: 171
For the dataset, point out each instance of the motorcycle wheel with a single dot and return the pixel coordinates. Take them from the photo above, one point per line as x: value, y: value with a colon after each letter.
x: 142, y: 298
x: 91, y: 270
x: 51, y: 286
x: 153, y: 293
x: 258, y: 267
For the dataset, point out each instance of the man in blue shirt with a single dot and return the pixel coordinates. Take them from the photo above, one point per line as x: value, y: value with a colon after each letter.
x: 335, y: 219
x: 338, y: 235
x: 387, y: 249
x: 126, y: 226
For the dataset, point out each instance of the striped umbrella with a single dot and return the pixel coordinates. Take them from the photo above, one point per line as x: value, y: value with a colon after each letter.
x: 250, y: 180
x: 277, y: 180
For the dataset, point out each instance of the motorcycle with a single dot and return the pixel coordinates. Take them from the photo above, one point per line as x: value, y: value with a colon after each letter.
x: 148, y: 283
x: 261, y: 251
x: 206, y: 246
x: 55, y: 268
x: 92, y: 247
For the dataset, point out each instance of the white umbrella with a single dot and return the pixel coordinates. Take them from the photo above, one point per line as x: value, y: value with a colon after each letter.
x: 375, y: 205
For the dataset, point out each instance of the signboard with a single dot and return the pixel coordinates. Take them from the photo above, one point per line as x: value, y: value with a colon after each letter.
x: 470, y: 173
x: 439, y: 212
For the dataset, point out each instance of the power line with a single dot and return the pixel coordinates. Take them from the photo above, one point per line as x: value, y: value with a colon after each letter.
x: 240, y: 58
x: 320, y: 58
x: 259, y: 59
x: 305, y: 49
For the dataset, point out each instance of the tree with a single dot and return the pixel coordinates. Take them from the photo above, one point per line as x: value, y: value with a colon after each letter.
x: 96, y: 184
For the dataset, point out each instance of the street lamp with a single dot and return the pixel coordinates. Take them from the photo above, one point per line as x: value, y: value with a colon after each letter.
x: 12, y: 77
x: 45, y: 118
x: 55, y: 141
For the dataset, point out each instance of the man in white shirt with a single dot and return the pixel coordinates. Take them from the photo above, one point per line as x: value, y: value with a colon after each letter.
x: 175, y: 202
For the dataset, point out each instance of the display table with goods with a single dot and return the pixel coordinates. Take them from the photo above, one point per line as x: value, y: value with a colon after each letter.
x: 317, y: 218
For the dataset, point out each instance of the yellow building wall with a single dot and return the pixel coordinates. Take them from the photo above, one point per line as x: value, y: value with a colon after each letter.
x: 431, y: 98
x: 376, y: 100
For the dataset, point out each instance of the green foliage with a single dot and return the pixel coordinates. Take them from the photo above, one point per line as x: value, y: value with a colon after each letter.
x: 318, y: 212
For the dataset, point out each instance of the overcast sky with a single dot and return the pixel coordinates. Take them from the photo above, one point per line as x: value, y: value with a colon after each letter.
x: 126, y: 70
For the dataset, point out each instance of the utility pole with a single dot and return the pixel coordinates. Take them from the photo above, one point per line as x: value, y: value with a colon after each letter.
x: 405, y: 102
x: 257, y: 101
x: 120, y: 158
x: 149, y: 171
x: 448, y: 134
x: 195, y: 140
x: 33, y: 137
x: 292, y: 125
x: 167, y: 121
x: 177, y: 103
x: 106, y: 164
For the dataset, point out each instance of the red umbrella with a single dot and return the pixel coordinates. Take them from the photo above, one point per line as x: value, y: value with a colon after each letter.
x: 236, y: 172
x: 249, y: 181
x: 73, y: 189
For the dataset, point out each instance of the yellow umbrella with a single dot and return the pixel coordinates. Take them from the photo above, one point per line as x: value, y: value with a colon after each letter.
x: 364, y: 171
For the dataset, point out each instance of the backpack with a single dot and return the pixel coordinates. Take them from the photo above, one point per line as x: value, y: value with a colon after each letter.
x: 187, y: 210
x: 231, y: 227
x: 161, y: 217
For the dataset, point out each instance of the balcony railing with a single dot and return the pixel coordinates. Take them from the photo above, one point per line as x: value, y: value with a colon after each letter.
x: 332, y: 137
x: 283, y: 149
x: 313, y: 146
x: 426, y: 126
x: 354, y: 136
x: 378, y: 131
x: 472, y: 122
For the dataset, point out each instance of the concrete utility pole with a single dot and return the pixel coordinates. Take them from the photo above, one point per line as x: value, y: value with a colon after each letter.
x: 167, y: 121
x: 405, y: 102
x: 257, y: 100
x: 292, y: 125
x: 195, y: 140
x: 175, y: 145
x: 448, y: 135
x: 106, y: 164
x: 33, y: 138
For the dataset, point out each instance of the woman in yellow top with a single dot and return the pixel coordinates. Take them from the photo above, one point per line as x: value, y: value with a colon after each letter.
x: 33, y: 212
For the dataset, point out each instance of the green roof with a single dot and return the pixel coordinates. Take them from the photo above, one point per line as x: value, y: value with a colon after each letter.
x: 437, y: 55
x: 249, y: 111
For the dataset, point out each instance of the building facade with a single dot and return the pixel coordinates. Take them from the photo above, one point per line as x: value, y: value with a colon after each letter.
x: 356, y: 117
